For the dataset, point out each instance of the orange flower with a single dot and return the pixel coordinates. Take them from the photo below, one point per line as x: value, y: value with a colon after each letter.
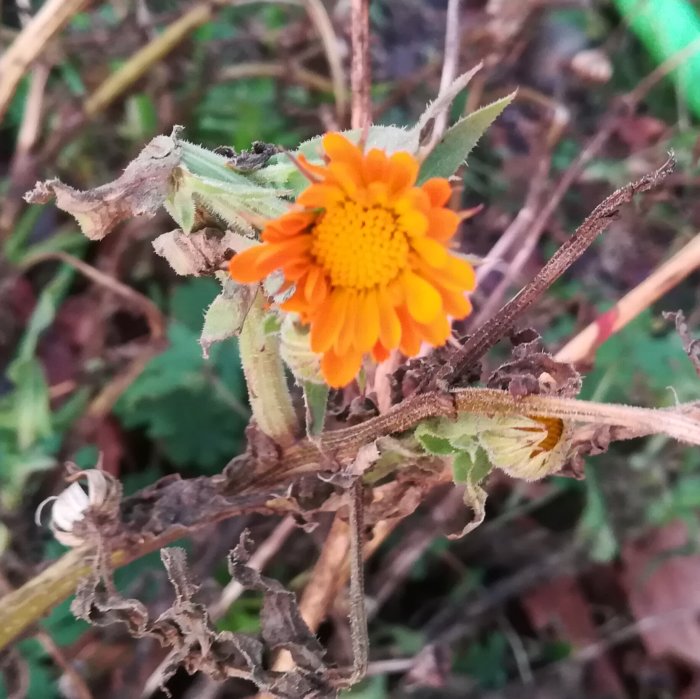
x: 367, y: 253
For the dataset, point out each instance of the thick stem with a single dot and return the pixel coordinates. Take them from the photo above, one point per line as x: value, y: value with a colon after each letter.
x: 264, y: 373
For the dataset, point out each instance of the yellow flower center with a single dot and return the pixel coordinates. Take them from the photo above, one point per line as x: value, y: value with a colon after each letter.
x: 358, y: 246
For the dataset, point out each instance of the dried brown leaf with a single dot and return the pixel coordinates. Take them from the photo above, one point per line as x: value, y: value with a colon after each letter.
x: 193, y: 254
x: 195, y: 645
x: 534, y: 371
x: 140, y: 191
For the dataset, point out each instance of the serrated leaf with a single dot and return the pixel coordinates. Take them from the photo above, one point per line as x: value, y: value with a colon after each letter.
x: 224, y: 317
x: 194, y: 408
x: 316, y: 400
x: 454, y: 147
x: 439, y: 446
x: 444, y: 99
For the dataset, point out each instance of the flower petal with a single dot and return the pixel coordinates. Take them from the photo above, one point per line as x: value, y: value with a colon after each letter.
x: 340, y: 370
x: 379, y: 352
x: 320, y: 196
x: 389, y: 325
x: 456, y: 304
x: 376, y: 166
x: 340, y: 149
x: 422, y: 299
x: 283, y: 254
x: 432, y: 252
x: 243, y: 266
x: 437, y: 332
x: 328, y: 320
x: 368, y: 321
x: 346, y: 336
x: 316, y: 286
x: 410, y: 337
x: 442, y: 224
x: 414, y: 223
x: 404, y: 170
x: 438, y: 189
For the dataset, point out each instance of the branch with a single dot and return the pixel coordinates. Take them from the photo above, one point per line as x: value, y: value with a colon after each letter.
x: 494, y: 329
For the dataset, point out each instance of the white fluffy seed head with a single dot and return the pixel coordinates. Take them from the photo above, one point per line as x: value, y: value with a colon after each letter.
x: 71, y: 506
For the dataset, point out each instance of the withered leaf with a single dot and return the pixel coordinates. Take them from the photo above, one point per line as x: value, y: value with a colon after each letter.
x: 534, y: 371
x: 140, y: 191
x: 193, y: 254
x: 281, y: 622
x: 94, y: 604
x: 198, y: 647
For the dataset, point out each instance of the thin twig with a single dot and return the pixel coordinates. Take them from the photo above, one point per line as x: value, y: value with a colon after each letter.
x: 582, y: 347
x: 449, y: 64
x: 319, y: 16
x: 30, y: 42
x: 153, y: 315
x: 358, y: 611
x: 360, y: 72
x: 282, y: 71
x: 78, y: 688
x: 496, y: 327
x: 136, y: 66
x: 23, y: 168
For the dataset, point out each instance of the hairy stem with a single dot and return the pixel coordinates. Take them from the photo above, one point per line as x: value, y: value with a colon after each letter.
x: 264, y: 373
x: 221, y: 498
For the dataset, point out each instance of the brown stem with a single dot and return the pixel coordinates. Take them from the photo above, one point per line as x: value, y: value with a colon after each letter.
x: 360, y: 72
x: 496, y: 327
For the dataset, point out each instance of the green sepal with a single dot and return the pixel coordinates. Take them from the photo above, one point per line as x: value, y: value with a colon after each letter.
x: 316, y: 401
x: 224, y: 317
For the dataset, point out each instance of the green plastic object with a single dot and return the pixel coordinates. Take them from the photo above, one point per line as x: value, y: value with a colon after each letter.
x: 665, y: 27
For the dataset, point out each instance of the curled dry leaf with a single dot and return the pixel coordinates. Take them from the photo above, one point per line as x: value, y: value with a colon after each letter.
x: 532, y: 370
x: 186, y: 629
x: 140, y: 191
x: 193, y: 254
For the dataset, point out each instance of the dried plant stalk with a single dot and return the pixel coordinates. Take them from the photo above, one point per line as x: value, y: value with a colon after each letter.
x: 500, y: 324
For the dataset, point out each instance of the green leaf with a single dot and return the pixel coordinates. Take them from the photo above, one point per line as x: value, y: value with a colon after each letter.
x: 194, y: 408
x: 456, y: 144
x: 470, y: 463
x: 435, y: 445
x: 443, y: 101
x: 315, y: 399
